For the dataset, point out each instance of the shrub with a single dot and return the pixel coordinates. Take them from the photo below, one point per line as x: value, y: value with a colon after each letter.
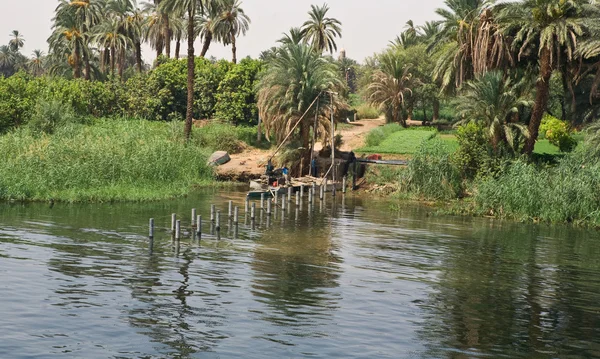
x: 108, y: 161
x: 236, y: 102
x: 568, y: 192
x: 219, y: 137
x: 431, y: 173
x: 377, y: 135
x: 366, y: 111
x: 49, y: 114
x: 557, y: 132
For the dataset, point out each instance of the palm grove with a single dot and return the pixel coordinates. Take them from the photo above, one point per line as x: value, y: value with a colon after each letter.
x: 497, y: 70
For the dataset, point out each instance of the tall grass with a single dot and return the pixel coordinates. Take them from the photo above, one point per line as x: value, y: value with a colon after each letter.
x: 365, y: 111
x: 379, y: 134
x: 431, y: 173
x: 568, y: 192
x: 111, y: 160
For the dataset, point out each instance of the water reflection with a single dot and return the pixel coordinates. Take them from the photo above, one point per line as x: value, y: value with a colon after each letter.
x: 296, y: 269
x: 335, y: 278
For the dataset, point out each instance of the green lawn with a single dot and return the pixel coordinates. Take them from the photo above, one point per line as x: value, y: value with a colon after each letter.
x: 407, y: 142
x: 402, y: 142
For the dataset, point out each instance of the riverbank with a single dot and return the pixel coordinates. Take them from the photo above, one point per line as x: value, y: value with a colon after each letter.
x: 106, y: 160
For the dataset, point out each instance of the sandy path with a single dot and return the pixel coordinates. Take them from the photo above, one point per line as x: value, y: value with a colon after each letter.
x: 251, y: 163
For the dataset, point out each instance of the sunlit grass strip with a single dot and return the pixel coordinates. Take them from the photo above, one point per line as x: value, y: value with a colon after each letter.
x: 406, y: 141
x: 111, y: 160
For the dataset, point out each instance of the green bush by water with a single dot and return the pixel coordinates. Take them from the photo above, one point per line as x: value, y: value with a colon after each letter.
x: 431, y: 173
x: 568, y: 192
x: 111, y: 160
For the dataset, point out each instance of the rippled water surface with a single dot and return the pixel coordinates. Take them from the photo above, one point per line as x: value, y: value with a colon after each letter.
x: 348, y: 279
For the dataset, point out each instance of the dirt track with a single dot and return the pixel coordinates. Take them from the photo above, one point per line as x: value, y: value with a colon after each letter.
x: 251, y: 163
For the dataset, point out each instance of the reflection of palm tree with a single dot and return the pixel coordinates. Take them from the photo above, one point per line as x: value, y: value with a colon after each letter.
x: 294, y: 268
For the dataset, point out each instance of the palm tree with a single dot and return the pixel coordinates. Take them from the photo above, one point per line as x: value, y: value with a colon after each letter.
x: 72, y: 21
x: 17, y: 41
x: 154, y: 27
x: 494, y: 100
x: 205, y: 23
x: 109, y: 35
x: 36, y: 63
x: 320, y: 31
x: 456, y: 41
x: 67, y: 40
x: 293, y: 37
x: 135, y: 29
x: 230, y: 24
x: 429, y: 31
x: 180, y: 7
x: 551, y: 28
x: 179, y: 30
x: 390, y: 84
x: 294, y: 78
x: 7, y: 61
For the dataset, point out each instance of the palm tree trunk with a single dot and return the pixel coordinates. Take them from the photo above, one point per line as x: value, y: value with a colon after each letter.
x: 233, y: 48
x: 167, y: 36
x: 76, y: 63
x: 541, y: 100
x: 102, y: 59
x: 177, y: 48
x: 305, y: 134
x: 113, y: 55
x: 138, y: 56
x: 121, y: 63
x: 190, y: 75
x: 207, y: 40
x: 88, y: 67
x: 436, y: 110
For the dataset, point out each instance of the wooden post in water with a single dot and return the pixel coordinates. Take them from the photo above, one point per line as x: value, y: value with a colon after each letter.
x: 289, y: 195
x: 173, y: 220
x: 344, y: 184
x: 262, y: 201
x: 276, y: 196
x: 310, y: 195
x: 314, y: 188
x: 297, y: 200
x: 177, y: 230
x: 321, y: 193
x: 269, y: 207
x: 301, y: 190
x: 151, y: 235
x: 333, y: 190
x: 283, y: 202
x: 236, y: 215
x: 199, y: 227
x: 354, y: 174
x: 218, y: 221
x: 326, y: 185
x: 247, y: 204
x: 212, y: 213
x: 193, y: 217
x: 253, y: 211
x: 230, y: 210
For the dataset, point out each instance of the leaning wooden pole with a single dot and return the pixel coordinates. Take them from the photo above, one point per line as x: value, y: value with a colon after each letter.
x: 332, y: 141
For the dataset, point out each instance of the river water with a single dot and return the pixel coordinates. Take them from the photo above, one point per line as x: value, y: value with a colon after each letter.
x: 349, y: 278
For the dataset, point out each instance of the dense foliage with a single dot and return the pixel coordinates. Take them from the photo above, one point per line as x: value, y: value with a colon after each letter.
x: 223, y: 90
x: 109, y: 161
